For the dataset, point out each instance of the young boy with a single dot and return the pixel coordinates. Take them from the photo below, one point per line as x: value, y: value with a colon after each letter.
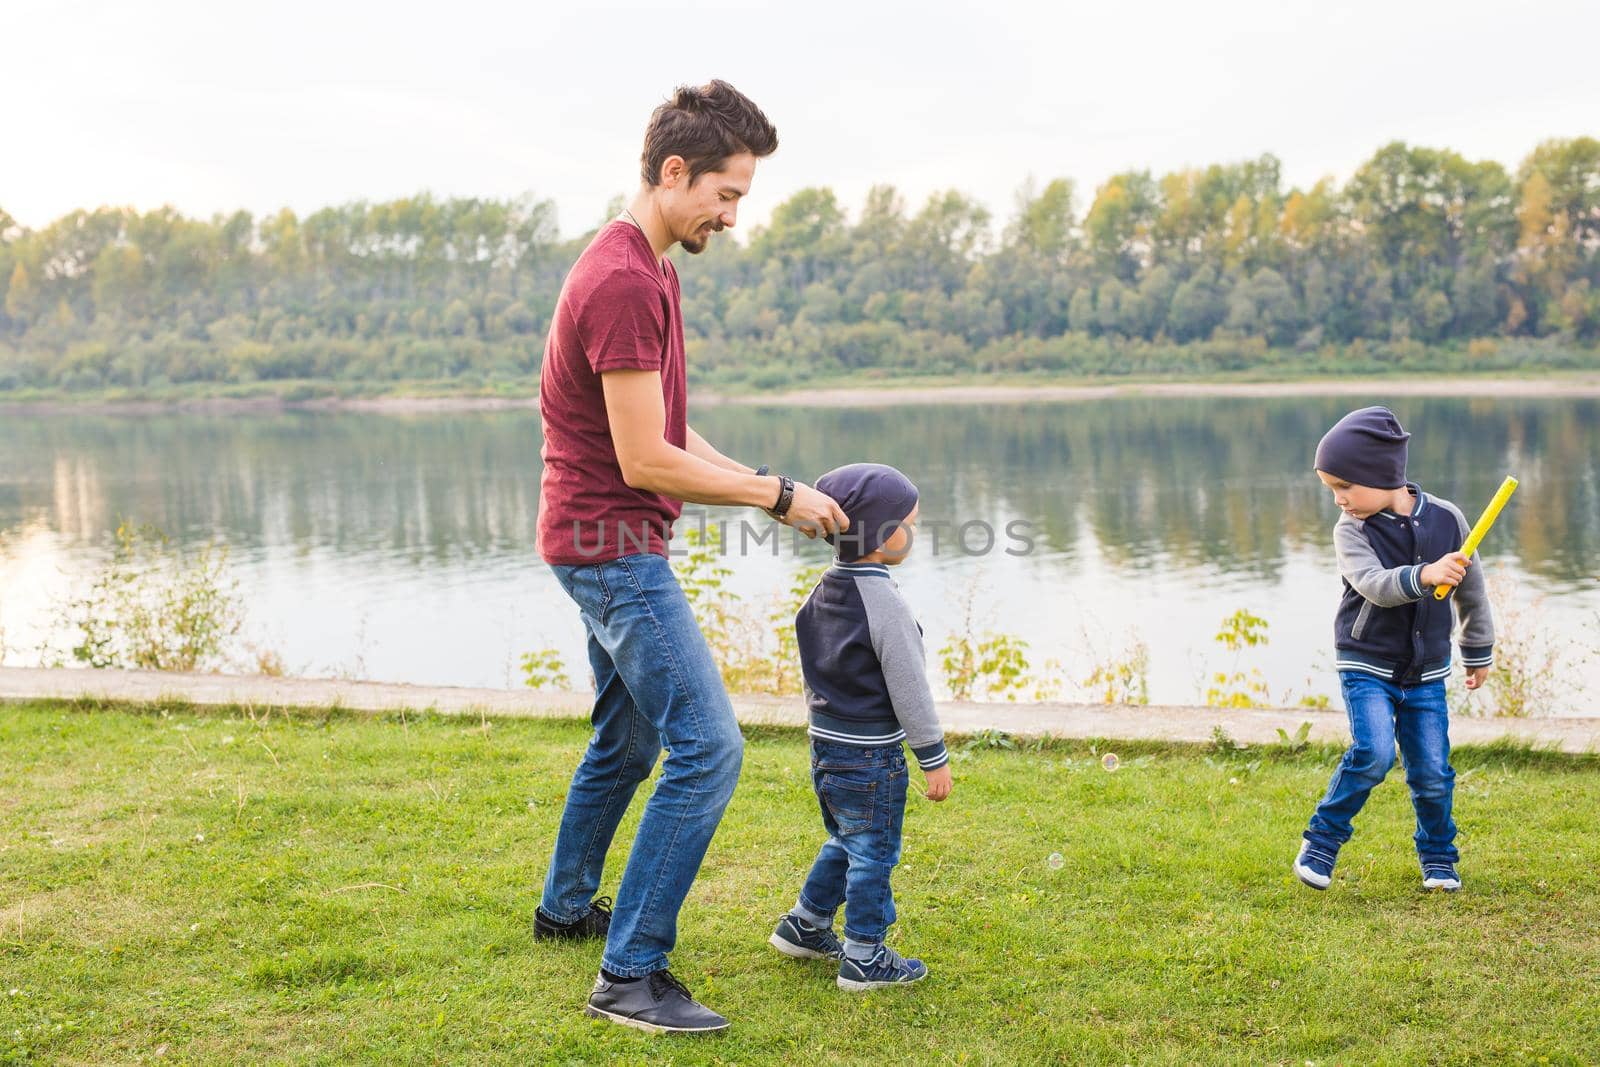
x: 862, y: 660
x: 1395, y: 544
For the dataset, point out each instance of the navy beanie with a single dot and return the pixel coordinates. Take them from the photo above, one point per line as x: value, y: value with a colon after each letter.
x: 1366, y: 447
x: 875, y: 497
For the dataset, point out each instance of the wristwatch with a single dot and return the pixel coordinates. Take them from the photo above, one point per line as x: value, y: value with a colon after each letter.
x: 785, y: 496
x: 785, y: 493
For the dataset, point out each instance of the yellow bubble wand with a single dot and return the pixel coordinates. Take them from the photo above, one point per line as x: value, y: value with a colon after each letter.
x: 1481, y: 530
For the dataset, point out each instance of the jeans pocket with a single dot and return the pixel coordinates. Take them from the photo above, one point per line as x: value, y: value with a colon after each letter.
x: 604, y: 588
x: 851, y: 760
x: 591, y: 590
x: 844, y: 766
x: 586, y: 584
x: 853, y: 805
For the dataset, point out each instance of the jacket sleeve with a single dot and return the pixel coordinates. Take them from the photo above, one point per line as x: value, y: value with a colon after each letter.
x: 898, y: 644
x: 1476, y: 635
x: 1387, y: 587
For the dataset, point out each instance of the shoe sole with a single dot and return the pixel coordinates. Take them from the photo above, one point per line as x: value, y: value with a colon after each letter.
x: 798, y: 952
x: 1448, y: 887
x: 649, y: 1028
x: 1309, y: 877
x: 558, y: 935
x: 850, y: 985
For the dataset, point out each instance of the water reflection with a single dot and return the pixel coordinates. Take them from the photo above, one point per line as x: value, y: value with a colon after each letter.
x: 1204, y: 482
x: 1151, y: 514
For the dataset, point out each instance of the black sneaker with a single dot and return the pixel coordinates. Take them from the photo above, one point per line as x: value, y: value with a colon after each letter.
x: 593, y: 924
x: 798, y: 938
x: 657, y: 1003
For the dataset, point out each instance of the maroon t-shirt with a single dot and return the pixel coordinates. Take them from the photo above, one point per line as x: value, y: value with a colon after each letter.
x: 619, y: 309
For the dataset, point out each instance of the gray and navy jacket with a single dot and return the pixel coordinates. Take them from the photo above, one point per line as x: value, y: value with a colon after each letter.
x: 864, y: 666
x: 1388, y: 623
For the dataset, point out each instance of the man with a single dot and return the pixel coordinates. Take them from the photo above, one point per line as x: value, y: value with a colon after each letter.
x: 619, y: 461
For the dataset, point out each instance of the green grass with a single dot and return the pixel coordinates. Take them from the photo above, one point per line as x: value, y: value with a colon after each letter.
x: 332, y: 888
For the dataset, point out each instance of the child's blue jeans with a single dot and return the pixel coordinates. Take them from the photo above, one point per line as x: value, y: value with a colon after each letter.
x: 862, y: 792
x: 1381, y: 714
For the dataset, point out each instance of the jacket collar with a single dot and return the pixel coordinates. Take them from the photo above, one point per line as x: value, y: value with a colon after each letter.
x: 1416, y: 511
x: 855, y: 569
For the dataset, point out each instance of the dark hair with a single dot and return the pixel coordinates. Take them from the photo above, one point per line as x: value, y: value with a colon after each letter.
x: 705, y: 125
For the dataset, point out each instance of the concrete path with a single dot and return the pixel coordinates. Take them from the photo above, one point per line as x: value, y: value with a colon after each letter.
x: 1145, y: 723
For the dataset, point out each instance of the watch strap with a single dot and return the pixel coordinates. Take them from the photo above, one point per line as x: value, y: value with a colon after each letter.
x: 785, y: 496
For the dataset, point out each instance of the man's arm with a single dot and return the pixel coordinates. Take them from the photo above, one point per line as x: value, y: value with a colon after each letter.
x: 700, y: 447
x: 638, y: 418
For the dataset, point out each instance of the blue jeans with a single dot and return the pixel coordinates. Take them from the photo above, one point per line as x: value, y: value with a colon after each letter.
x: 655, y: 684
x: 862, y: 792
x: 1382, y: 713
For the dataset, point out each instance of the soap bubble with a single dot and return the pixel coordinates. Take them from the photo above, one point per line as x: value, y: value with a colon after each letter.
x: 1056, y: 861
x: 1110, y: 761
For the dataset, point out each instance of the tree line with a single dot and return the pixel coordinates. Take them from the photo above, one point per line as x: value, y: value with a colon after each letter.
x: 1422, y: 258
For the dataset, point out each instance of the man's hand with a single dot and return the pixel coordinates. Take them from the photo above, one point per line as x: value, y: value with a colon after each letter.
x: 813, y: 512
x: 938, y: 781
x: 1448, y: 569
x: 1476, y: 676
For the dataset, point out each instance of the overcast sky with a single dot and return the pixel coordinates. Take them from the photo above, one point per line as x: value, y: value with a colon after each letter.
x: 214, y: 106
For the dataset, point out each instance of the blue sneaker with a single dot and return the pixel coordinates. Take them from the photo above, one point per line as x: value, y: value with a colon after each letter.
x: 1437, y: 874
x: 1314, y: 865
x: 798, y: 938
x: 886, y: 967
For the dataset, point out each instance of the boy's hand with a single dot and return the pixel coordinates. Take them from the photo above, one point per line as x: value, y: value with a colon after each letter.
x: 1476, y: 676
x: 1448, y: 569
x: 938, y: 781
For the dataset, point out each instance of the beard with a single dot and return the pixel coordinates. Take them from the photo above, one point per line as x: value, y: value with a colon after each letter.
x: 696, y: 243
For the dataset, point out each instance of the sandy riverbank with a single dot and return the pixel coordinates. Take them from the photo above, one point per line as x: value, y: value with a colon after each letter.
x: 888, y: 394
x: 1585, y: 385
x: 270, y: 405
